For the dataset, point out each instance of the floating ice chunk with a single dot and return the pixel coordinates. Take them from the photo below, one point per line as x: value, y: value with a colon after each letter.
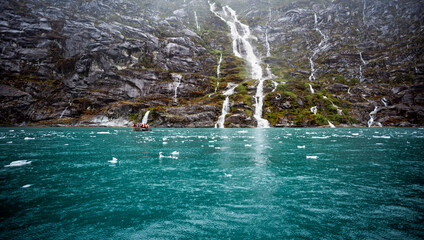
x: 228, y: 175
x: 18, y: 163
x: 324, y: 137
x: 28, y: 138
x: 248, y: 145
x: 103, y: 132
x: 114, y: 160
x: 10, y: 142
x: 355, y: 134
x: 386, y: 137
x: 164, y: 143
x: 301, y: 146
x: 163, y: 156
x: 175, y: 153
x: 26, y: 186
x: 311, y: 157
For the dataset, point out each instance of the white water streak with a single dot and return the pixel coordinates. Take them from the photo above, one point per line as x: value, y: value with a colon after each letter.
x: 372, y: 116
x: 311, y: 89
x: 177, y: 82
x: 314, y: 110
x: 145, y: 118
x: 225, y: 106
x: 70, y: 104
x: 240, y: 34
x: 197, y: 22
x: 321, y: 46
x: 218, y: 72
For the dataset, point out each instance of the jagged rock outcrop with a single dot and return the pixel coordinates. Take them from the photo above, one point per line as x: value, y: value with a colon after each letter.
x: 109, y: 61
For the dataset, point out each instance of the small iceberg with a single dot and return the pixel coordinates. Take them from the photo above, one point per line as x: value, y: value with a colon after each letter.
x: 18, y: 163
x: 27, y: 186
x: 28, y: 138
x: 114, y: 160
x: 103, y: 132
x: 311, y: 157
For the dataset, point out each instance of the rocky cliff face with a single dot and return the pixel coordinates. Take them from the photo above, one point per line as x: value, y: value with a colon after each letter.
x: 106, y: 62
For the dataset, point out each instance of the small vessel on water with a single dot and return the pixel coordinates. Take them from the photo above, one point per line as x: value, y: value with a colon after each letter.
x: 143, y: 126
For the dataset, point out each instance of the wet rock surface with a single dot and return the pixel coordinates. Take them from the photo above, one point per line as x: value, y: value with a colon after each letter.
x: 87, y: 63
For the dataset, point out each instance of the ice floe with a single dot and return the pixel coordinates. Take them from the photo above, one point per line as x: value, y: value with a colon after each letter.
x: 18, y: 163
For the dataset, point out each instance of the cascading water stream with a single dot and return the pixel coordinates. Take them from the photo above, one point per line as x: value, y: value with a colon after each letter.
x: 177, y: 81
x: 218, y: 72
x: 311, y: 89
x: 318, y: 49
x: 363, y: 11
x: 240, y: 34
x: 372, y: 116
x: 314, y: 110
x: 361, y: 76
x: 197, y: 22
x: 145, y: 118
x: 268, y: 46
x: 70, y: 104
x: 331, y: 125
x: 225, y: 106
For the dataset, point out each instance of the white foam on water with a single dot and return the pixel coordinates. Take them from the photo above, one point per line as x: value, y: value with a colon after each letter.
x: 10, y: 142
x: 28, y: 138
x: 311, y: 157
x: 164, y: 143
x: 244, y: 131
x: 103, y: 132
x: 27, y: 186
x: 386, y: 137
x: 301, y: 146
x: 247, y: 145
x: 18, y: 163
x: 324, y: 137
x: 355, y: 134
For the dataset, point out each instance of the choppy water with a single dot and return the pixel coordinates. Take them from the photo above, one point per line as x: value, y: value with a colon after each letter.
x: 223, y: 183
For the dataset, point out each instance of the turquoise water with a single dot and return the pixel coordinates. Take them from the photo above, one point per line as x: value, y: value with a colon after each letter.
x: 111, y: 183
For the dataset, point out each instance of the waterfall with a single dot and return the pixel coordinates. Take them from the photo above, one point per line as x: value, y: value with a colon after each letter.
x: 218, y: 72
x: 372, y: 115
x: 363, y: 11
x: 269, y: 74
x: 145, y: 118
x: 225, y: 110
x: 311, y: 89
x: 177, y: 81
x: 70, y: 104
x: 361, y: 77
x: 362, y: 59
x: 197, y: 22
x: 225, y: 106
x: 318, y: 49
x: 268, y: 47
x: 312, y: 77
x: 384, y: 101
x: 314, y: 110
x: 240, y: 34
x: 275, y: 85
x: 331, y: 125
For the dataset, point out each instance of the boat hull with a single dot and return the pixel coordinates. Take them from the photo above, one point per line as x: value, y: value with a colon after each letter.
x: 141, y: 129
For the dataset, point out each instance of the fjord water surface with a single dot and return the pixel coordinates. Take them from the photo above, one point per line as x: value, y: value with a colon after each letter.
x: 113, y: 183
